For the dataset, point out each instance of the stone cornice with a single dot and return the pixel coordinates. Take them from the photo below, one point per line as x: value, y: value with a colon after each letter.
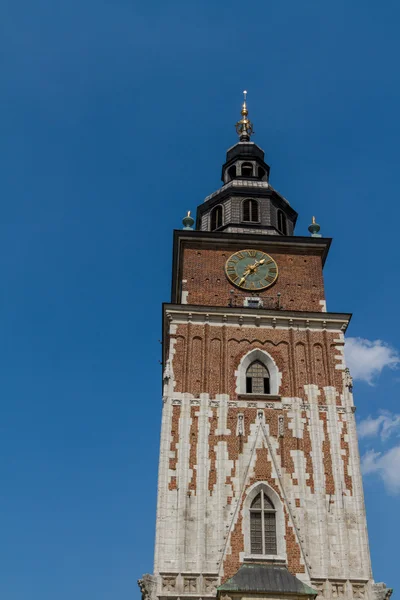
x: 256, y: 317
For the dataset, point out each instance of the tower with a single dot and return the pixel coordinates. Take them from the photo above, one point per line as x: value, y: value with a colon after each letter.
x: 259, y: 491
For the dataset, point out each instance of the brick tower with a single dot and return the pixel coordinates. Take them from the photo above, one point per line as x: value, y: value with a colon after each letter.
x: 259, y: 491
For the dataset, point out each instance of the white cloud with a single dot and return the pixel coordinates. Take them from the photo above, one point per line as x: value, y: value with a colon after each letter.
x: 386, y: 465
x: 366, y: 359
x: 384, y: 425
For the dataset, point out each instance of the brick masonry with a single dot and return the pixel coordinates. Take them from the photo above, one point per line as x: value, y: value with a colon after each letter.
x: 300, y: 280
x: 206, y: 358
x: 218, y: 444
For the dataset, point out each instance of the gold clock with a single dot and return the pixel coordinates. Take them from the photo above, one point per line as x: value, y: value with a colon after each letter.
x: 251, y: 270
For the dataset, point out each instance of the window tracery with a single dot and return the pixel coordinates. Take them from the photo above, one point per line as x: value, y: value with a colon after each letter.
x: 262, y: 525
x: 257, y: 379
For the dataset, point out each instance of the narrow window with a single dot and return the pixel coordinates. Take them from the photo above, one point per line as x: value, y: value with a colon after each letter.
x: 262, y: 525
x: 250, y: 211
x: 216, y: 218
x: 257, y: 379
x: 232, y: 172
x: 247, y: 170
x: 261, y: 173
x: 282, y: 222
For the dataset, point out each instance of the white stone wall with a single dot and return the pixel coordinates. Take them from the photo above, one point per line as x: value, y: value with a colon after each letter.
x: 194, y: 527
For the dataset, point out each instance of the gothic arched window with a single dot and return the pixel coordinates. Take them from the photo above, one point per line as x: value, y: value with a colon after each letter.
x: 247, y: 170
x: 262, y: 525
x: 216, y: 217
x: 257, y: 379
x: 282, y: 222
x: 250, y: 211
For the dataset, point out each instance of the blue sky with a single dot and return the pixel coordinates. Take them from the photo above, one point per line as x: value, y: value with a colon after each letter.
x: 115, y: 118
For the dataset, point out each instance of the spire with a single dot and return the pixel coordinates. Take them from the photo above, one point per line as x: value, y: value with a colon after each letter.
x: 244, y: 127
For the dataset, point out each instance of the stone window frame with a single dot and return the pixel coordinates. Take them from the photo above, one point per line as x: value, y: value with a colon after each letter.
x: 275, y: 377
x: 251, y: 493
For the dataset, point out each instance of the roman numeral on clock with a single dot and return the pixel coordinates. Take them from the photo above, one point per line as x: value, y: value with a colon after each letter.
x: 269, y: 278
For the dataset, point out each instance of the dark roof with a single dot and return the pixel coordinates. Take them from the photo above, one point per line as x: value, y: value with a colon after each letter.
x: 266, y: 578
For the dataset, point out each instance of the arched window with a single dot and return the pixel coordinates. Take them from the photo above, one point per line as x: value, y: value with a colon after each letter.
x: 257, y: 379
x: 250, y: 211
x: 261, y: 173
x: 271, y: 370
x: 216, y: 217
x: 262, y: 525
x: 232, y: 172
x: 282, y: 222
x: 247, y: 170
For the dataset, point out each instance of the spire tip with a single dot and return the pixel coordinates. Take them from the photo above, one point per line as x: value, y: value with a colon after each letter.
x: 244, y: 127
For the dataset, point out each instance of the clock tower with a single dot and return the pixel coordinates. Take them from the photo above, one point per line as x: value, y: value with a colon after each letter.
x: 259, y: 490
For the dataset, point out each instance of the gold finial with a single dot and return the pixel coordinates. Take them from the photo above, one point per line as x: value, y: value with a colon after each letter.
x: 313, y: 220
x: 244, y: 127
x: 188, y: 214
x: 244, y: 110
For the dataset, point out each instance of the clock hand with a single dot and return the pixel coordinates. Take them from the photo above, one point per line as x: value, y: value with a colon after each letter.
x: 245, y: 274
x: 258, y: 263
x: 251, y: 269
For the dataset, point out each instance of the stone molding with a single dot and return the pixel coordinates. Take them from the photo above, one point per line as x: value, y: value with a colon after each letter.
x: 203, y: 585
x: 256, y: 317
x: 337, y: 588
x: 281, y: 404
x: 240, y: 183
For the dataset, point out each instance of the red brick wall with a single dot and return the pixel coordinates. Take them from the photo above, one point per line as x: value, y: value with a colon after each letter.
x: 300, y: 280
x: 206, y: 357
x: 303, y: 357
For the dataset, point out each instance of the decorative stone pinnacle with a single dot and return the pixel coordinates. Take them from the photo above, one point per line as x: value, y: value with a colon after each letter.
x: 188, y: 222
x: 244, y: 127
x: 314, y: 228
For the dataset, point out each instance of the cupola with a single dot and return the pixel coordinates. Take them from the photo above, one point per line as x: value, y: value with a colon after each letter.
x: 246, y: 202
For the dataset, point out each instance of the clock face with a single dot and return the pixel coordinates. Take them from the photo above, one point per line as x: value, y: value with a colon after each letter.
x: 251, y: 270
